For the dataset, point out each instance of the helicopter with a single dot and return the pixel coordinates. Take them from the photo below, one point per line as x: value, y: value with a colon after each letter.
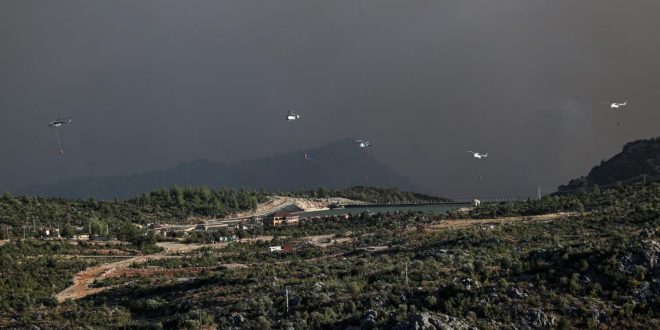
x: 615, y: 105
x: 291, y: 116
x: 363, y: 143
x: 54, y: 125
x: 477, y: 155
x: 59, y: 122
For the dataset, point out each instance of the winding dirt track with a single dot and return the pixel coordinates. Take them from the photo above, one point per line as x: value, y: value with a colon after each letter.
x: 82, y: 281
x: 85, y: 278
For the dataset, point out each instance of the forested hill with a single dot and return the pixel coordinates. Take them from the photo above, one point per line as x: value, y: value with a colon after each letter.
x: 173, y: 205
x: 336, y: 165
x: 639, y: 160
x: 365, y: 194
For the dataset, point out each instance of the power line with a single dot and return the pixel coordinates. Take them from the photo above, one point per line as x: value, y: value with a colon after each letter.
x: 541, y: 189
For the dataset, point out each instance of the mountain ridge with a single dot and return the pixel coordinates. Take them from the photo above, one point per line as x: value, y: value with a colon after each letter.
x: 339, y: 164
x: 638, y: 161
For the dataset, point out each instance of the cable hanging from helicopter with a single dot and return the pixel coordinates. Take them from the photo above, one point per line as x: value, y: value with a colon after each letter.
x: 55, y: 124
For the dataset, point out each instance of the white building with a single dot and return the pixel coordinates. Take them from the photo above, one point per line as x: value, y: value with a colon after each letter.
x: 275, y: 248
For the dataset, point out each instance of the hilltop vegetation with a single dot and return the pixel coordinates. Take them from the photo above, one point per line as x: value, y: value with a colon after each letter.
x: 366, y: 194
x: 175, y: 205
x: 595, y: 267
x: 639, y: 161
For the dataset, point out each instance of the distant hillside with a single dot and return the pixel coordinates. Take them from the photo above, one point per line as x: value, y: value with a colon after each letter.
x: 366, y: 194
x: 639, y: 160
x: 336, y: 165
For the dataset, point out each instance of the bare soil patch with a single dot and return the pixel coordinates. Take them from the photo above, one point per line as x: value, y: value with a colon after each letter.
x: 85, y: 278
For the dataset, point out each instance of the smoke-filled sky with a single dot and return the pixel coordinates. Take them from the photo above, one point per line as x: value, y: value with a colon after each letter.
x: 150, y: 84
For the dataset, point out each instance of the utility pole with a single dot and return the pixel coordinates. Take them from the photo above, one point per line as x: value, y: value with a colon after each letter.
x: 286, y: 293
x: 407, y: 285
x: 538, y: 190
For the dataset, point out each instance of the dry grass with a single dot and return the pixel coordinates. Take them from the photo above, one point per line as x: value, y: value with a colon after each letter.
x: 464, y: 223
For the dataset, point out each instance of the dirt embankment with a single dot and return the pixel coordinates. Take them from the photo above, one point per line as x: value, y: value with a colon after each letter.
x: 277, y: 203
x: 323, y: 241
x: 305, y: 204
x: 308, y: 204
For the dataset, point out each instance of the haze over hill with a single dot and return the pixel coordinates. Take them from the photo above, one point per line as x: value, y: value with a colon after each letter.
x: 335, y: 165
x: 151, y: 84
x: 639, y: 160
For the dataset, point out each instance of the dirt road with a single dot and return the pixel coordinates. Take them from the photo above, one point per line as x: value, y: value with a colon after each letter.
x: 83, y: 279
x: 457, y: 224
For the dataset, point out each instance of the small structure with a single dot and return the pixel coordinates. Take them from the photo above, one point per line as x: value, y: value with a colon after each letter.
x: 476, y: 202
x: 50, y: 232
x: 280, y: 218
x: 232, y: 238
x: 275, y: 248
x: 160, y: 227
x: 201, y: 227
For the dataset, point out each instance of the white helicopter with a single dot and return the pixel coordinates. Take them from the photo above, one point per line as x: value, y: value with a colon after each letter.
x: 477, y: 155
x: 291, y: 116
x: 615, y: 105
x: 59, y: 122
x: 363, y: 143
